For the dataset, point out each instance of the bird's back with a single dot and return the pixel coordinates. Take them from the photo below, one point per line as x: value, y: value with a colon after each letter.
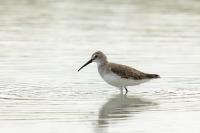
x: 129, y: 73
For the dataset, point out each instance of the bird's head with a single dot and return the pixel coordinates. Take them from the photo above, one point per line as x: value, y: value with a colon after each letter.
x: 98, y: 57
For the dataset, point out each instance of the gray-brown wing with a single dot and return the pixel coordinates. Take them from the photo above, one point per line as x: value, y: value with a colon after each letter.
x: 130, y: 73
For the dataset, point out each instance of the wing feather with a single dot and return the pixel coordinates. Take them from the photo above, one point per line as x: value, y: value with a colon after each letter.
x: 129, y: 72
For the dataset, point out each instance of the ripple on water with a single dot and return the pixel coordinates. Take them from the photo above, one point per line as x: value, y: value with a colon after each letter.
x: 42, y: 44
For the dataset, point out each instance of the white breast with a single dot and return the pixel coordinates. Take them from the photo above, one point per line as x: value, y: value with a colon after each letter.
x: 117, y: 81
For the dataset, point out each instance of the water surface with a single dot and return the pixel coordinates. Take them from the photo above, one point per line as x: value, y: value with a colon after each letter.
x: 43, y: 43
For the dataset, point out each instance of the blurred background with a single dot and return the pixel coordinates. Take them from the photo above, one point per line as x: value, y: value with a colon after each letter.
x: 44, y: 42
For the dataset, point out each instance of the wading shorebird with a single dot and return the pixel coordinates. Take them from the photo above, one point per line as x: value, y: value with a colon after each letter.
x: 118, y: 75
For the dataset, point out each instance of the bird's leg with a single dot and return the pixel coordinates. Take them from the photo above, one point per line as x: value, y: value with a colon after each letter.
x: 126, y: 90
x: 121, y: 91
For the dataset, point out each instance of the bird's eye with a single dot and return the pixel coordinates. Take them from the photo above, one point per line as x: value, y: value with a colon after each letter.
x: 95, y: 56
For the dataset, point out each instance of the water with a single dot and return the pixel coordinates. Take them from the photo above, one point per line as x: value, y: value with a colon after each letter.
x: 43, y: 43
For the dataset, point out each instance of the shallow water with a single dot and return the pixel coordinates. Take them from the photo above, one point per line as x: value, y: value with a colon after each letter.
x: 43, y: 43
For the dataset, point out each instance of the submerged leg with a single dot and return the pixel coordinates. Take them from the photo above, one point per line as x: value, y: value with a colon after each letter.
x: 121, y: 90
x: 126, y: 90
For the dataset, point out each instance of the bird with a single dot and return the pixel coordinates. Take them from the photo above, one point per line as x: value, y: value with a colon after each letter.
x: 118, y: 75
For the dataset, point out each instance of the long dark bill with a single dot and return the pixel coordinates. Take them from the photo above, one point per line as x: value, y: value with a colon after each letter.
x: 90, y: 61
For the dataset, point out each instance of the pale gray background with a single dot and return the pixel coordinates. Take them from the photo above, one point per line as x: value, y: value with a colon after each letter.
x: 44, y: 42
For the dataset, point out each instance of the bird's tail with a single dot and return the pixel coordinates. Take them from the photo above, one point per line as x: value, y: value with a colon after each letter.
x: 153, y: 76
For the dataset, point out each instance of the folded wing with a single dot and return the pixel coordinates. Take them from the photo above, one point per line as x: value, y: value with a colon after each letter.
x: 130, y: 73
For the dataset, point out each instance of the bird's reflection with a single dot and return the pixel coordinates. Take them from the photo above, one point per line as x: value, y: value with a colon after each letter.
x: 121, y: 107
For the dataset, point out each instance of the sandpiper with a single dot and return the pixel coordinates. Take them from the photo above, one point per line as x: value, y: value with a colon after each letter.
x: 118, y: 75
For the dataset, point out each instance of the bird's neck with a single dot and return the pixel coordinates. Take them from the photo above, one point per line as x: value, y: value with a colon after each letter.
x: 102, y: 63
x: 102, y: 68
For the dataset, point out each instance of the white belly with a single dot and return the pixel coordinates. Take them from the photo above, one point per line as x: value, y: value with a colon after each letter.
x: 117, y: 81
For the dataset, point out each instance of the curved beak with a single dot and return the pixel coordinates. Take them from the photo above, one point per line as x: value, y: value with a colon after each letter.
x: 90, y: 61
